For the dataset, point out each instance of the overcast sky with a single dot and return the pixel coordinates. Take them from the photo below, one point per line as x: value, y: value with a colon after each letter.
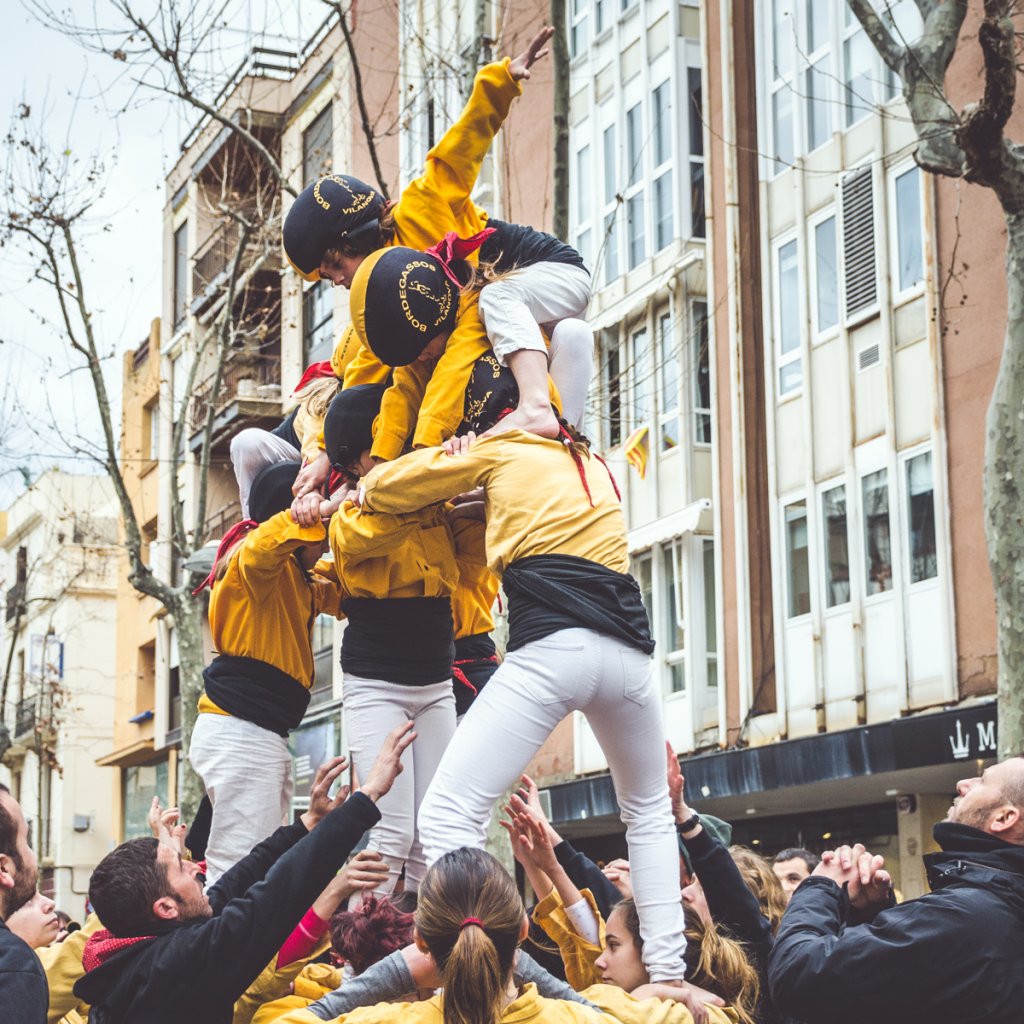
x: 87, y: 99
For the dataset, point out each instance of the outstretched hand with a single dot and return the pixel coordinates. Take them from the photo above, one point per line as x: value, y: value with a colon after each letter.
x: 320, y: 801
x: 388, y: 765
x: 166, y: 827
x: 519, y: 67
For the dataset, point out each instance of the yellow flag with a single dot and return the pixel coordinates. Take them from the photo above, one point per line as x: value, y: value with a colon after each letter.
x: 635, y: 450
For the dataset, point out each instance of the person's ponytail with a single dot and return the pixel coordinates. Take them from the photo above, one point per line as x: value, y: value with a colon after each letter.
x: 471, y: 917
x: 474, y: 982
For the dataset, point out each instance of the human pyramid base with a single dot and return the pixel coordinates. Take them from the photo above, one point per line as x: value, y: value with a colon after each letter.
x: 438, y: 452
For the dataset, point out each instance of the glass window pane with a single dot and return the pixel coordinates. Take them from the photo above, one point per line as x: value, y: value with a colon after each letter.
x: 318, y: 146
x: 782, y: 36
x: 698, y: 224
x: 693, y: 84
x: 789, y: 299
x: 702, y: 377
x: 668, y: 359
x: 837, y: 547
x: 818, y: 23
x: 578, y: 37
x: 782, y: 128
x: 600, y: 16
x: 640, y: 568
x: 819, y: 107
x: 613, y: 384
x: 905, y: 19
x: 924, y: 563
x: 635, y: 229
x: 908, y: 228
x: 583, y: 246
x: 672, y: 638
x: 634, y: 146
x: 317, y: 322
x: 860, y: 94
x: 797, y: 561
x: 791, y: 377
x: 611, y: 247
x: 582, y: 185
x: 710, y: 630
x: 826, y: 275
x: 877, y: 541
x: 610, y: 176
x: 180, y: 275
x: 662, y: 124
x: 642, y: 378
x: 663, y: 227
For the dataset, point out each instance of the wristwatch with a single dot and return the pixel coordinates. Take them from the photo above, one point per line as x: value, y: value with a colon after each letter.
x: 690, y: 824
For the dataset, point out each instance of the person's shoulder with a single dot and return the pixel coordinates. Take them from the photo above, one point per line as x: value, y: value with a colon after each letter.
x: 16, y: 956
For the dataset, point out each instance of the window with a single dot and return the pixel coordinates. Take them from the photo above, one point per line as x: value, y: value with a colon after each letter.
x: 634, y: 181
x: 152, y: 427
x: 909, y: 254
x: 859, y: 66
x: 710, y: 612
x: 673, y: 638
x: 601, y: 15
x: 640, y: 568
x: 788, y: 317
x: 662, y: 130
x: 837, y: 547
x: 668, y: 366
x: 782, y: 129
x: 826, y: 276
x: 642, y: 384
x: 877, y: 541
x: 635, y: 229
x: 317, y: 322
x: 702, y: 374
x: 578, y: 28
x: 818, y: 74
x: 581, y: 184
x: 180, y: 299
x: 634, y: 145
x: 797, y: 560
x: 696, y: 112
x: 318, y: 146
x: 610, y: 243
x: 613, y: 387
x: 921, y: 510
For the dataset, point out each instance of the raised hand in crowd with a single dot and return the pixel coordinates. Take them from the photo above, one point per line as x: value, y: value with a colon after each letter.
x: 676, y: 786
x: 365, y: 871
x: 388, y: 765
x: 167, y: 827
x: 321, y: 803
x: 617, y: 872
x: 868, y: 883
x: 519, y: 67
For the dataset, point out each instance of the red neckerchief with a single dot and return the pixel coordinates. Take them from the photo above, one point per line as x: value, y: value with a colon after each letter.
x: 229, y: 538
x: 102, y: 946
x: 451, y: 247
x: 314, y: 372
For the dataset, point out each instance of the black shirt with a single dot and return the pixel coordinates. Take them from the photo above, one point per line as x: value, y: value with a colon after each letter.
x: 24, y: 994
x: 519, y: 245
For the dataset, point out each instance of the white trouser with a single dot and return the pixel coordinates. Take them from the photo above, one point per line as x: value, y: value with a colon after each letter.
x: 533, y: 689
x: 372, y: 709
x: 247, y: 772
x: 550, y: 295
x: 252, y: 450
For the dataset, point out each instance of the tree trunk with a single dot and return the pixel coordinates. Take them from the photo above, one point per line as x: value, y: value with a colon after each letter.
x: 1004, y: 490
x: 560, y: 119
x: 188, y: 624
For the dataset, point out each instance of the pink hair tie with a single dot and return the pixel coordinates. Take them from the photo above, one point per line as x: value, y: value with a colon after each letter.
x: 471, y: 920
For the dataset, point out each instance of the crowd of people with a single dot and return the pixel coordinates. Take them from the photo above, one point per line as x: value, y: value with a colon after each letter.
x: 439, y: 452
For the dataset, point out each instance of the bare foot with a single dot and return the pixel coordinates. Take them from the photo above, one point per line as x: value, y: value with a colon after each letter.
x: 537, y: 419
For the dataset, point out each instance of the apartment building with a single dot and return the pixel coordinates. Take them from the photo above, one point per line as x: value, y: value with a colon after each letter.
x: 61, y: 562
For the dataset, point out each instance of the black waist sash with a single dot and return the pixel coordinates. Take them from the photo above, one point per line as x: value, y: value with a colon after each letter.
x: 399, y: 639
x: 547, y: 593
x: 252, y: 690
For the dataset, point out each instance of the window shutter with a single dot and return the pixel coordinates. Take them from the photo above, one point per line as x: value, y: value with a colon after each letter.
x: 859, y: 241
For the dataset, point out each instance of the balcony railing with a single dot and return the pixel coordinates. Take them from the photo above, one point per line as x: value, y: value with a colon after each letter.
x: 25, y: 716
x: 252, y: 380
x: 212, y: 263
x: 15, y: 600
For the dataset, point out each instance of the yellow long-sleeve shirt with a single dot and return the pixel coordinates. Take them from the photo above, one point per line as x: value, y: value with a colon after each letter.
x: 314, y: 982
x: 264, y: 605
x: 63, y: 965
x: 274, y: 983
x: 534, y: 498
x: 473, y: 599
x: 385, y: 556
x: 439, y: 201
x: 527, y: 1007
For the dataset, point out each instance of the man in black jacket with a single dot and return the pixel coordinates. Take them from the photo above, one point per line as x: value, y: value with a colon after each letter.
x: 24, y: 996
x: 844, y: 954
x: 171, y: 952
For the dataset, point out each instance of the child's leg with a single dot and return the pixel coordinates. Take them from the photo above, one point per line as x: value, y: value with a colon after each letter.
x: 435, y: 726
x: 533, y: 689
x: 511, y: 311
x: 571, y: 366
x: 252, y: 450
x: 372, y: 708
x: 625, y: 715
x: 247, y: 774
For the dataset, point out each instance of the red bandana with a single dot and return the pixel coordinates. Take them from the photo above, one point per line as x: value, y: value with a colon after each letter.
x: 102, y: 946
x: 451, y: 247
x: 236, y: 531
x: 314, y: 372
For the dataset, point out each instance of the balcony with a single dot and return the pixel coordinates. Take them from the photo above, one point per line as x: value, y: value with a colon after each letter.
x: 15, y: 601
x: 25, y: 717
x: 249, y: 395
x: 211, y: 265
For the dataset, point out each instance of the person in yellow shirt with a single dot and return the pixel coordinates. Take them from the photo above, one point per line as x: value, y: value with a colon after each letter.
x: 396, y: 576
x: 264, y: 601
x: 470, y: 921
x: 579, y: 639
